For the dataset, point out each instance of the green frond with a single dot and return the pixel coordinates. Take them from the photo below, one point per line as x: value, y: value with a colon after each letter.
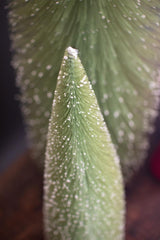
x: 119, y: 45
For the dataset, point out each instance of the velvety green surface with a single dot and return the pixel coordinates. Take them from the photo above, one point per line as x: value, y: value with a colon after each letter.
x: 118, y: 43
x: 83, y: 183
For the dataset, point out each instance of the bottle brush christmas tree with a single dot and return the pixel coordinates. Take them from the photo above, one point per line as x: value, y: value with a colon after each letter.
x: 83, y: 183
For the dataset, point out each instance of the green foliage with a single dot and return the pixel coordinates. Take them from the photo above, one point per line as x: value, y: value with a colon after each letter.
x: 118, y: 43
x: 83, y: 183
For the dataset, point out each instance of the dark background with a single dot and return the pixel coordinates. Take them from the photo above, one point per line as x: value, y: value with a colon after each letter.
x: 12, y: 134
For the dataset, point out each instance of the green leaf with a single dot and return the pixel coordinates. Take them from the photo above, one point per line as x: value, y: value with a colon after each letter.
x: 118, y: 43
x: 83, y: 183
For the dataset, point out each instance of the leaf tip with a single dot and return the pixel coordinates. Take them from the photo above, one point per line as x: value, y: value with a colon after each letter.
x: 72, y: 52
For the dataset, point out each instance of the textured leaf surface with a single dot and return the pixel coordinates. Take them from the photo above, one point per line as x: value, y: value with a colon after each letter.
x: 83, y: 183
x: 119, y: 44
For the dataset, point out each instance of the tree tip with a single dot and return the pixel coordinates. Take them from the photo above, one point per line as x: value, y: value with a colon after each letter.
x: 72, y: 52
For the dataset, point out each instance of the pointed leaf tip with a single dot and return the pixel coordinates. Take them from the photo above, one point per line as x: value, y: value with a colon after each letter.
x: 72, y: 52
x: 83, y: 183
